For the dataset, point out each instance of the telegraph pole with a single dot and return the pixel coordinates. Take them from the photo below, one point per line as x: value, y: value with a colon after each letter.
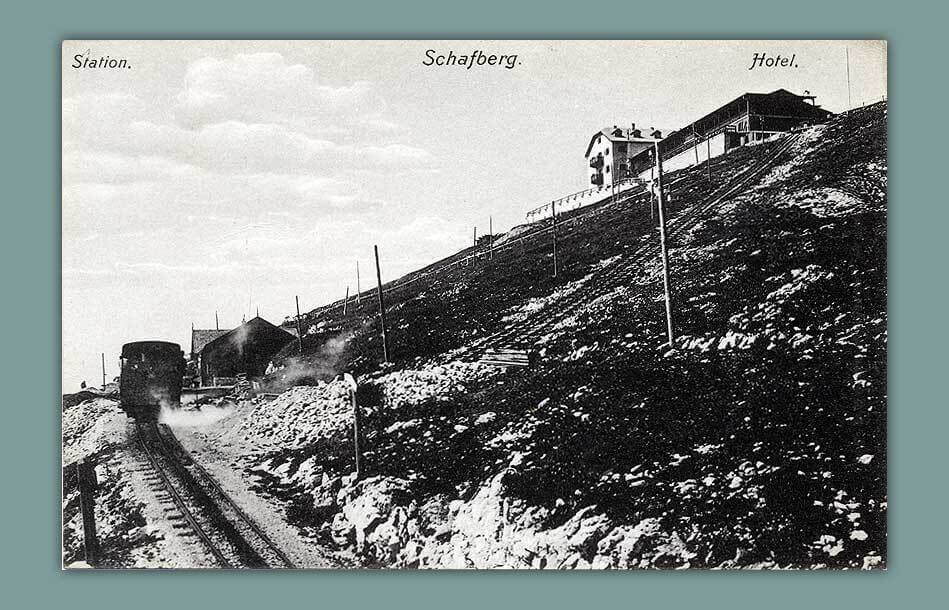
x: 849, y: 102
x: 358, y: 289
x: 695, y: 144
x: 708, y: 152
x: 346, y: 300
x: 103, y: 371
x: 299, y: 328
x: 474, y: 239
x: 382, y: 309
x: 217, y: 325
x: 553, y: 217
x: 652, y: 208
x: 490, y: 238
x: 663, y: 248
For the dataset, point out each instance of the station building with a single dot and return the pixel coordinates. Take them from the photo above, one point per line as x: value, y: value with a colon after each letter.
x: 245, y: 350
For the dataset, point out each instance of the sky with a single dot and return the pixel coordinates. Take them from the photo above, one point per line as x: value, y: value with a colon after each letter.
x: 232, y: 176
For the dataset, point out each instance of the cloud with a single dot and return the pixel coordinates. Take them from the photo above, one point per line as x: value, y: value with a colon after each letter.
x: 249, y: 175
x: 264, y: 87
x: 116, y: 168
x: 248, y: 113
x: 396, y: 154
x: 236, y: 147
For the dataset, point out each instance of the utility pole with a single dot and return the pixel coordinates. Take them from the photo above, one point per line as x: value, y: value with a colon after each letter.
x: 346, y: 300
x: 382, y: 309
x: 849, y: 103
x: 299, y: 327
x: 695, y: 144
x: 358, y: 289
x: 474, y: 240
x: 103, y: 371
x: 490, y: 238
x: 708, y: 152
x: 217, y: 325
x: 663, y: 248
x: 553, y: 217
x: 652, y: 181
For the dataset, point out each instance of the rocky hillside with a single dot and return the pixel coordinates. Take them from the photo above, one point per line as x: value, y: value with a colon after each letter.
x: 758, y: 441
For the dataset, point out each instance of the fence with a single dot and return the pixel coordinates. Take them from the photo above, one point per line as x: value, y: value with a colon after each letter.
x: 580, y: 199
x: 484, y: 251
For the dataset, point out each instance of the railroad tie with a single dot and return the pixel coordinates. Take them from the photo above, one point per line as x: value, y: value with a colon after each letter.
x: 505, y: 357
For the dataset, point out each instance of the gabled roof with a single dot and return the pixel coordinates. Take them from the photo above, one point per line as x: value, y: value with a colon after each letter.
x: 778, y: 101
x: 255, y: 326
x: 201, y: 337
x: 608, y: 133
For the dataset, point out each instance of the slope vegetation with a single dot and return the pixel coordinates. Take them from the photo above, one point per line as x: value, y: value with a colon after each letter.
x: 758, y: 441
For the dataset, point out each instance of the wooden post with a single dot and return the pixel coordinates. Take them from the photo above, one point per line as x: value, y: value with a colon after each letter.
x: 103, y: 371
x: 553, y: 217
x: 346, y: 300
x: 299, y: 327
x: 663, y: 248
x: 382, y: 310
x: 86, y: 481
x: 217, y: 325
x: 357, y: 424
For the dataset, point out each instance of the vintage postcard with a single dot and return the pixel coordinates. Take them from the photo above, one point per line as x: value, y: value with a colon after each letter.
x: 474, y: 304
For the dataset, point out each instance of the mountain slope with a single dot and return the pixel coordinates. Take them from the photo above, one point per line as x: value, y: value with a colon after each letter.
x: 759, y: 441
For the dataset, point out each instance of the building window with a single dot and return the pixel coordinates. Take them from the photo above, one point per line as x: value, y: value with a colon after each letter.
x: 607, y: 152
x: 607, y: 169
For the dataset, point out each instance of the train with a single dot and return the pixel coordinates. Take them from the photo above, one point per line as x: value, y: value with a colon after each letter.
x: 151, y: 378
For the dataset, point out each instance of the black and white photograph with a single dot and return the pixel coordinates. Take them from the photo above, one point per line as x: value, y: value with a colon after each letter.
x: 474, y: 304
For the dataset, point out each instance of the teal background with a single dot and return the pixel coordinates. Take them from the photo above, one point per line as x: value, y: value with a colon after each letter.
x: 30, y: 248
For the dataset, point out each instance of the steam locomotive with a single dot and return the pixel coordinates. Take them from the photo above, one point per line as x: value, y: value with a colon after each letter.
x: 151, y: 378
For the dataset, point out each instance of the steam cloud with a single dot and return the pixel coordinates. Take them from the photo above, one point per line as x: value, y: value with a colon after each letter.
x: 321, y: 366
x: 195, y: 418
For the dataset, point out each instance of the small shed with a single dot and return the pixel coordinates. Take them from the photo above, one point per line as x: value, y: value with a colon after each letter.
x: 246, y: 350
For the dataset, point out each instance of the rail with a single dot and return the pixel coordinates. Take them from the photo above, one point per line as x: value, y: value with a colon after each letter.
x: 179, y: 501
x: 522, y: 334
x: 536, y: 230
x: 272, y: 548
x: 227, y: 531
x: 439, y: 267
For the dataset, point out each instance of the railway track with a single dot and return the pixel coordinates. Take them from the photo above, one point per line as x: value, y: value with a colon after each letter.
x: 197, y: 502
x: 523, y: 334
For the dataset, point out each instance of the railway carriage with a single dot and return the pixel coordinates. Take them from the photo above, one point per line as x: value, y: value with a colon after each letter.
x: 151, y: 378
